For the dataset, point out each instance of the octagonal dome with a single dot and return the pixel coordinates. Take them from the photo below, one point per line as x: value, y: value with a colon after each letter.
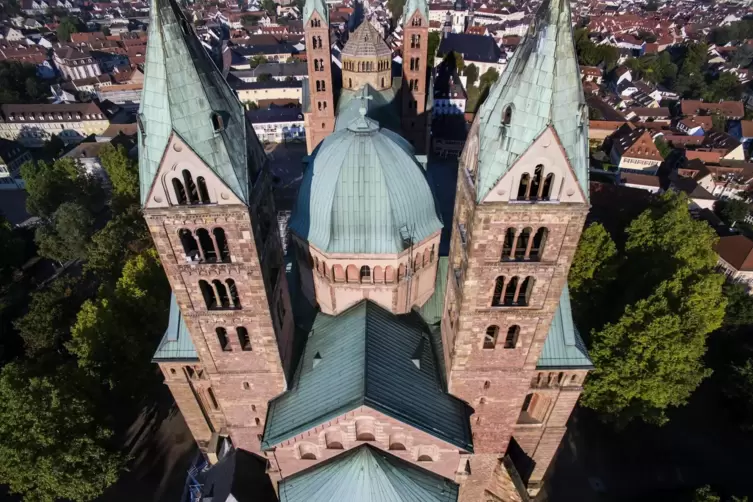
x: 365, y: 42
x: 364, y: 192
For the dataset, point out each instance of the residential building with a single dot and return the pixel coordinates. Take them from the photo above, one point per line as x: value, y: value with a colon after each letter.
x: 634, y: 148
x: 274, y: 90
x: 449, y: 94
x: 278, y: 71
x: 736, y: 259
x: 75, y: 63
x: 32, y: 125
x: 480, y: 51
x: 12, y: 156
x: 732, y: 110
x: 278, y: 125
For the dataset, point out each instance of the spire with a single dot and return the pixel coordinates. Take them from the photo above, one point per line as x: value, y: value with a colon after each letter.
x: 412, y: 6
x: 185, y: 94
x: 539, y: 88
x: 312, y: 6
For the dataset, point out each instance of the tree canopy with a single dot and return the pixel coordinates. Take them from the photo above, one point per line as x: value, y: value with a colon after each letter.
x: 471, y: 73
x: 122, y: 171
x: 432, y: 47
x: 731, y: 210
x: 67, y: 26
x: 19, y: 83
x: 663, y: 299
x: 48, y: 185
x: 590, y: 54
x: 66, y: 235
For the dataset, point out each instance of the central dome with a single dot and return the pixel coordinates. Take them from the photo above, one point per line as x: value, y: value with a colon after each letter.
x: 364, y: 192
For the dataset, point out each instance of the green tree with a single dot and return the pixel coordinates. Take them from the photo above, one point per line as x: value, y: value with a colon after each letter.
x: 52, y: 445
x: 471, y: 73
x: 593, y: 259
x: 731, y: 210
x: 114, y: 335
x: 51, y: 312
x: 488, y: 78
x: 663, y: 146
x: 257, y: 60
x: 726, y: 86
x: 48, y: 185
x: 432, y: 47
x: 705, y: 494
x: 67, y: 26
x: 396, y: 8
x: 264, y: 77
x: 459, y: 62
x: 123, y: 236
x: 122, y: 171
x: 54, y: 147
x: 66, y: 235
x: 719, y: 122
x: 270, y: 6
x: 19, y: 83
x: 651, y: 357
x: 739, y: 311
x: 11, y: 250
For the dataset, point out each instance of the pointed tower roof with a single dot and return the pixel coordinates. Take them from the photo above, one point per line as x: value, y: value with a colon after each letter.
x: 312, y: 6
x: 366, y: 41
x: 184, y: 93
x: 412, y: 6
x: 541, y: 86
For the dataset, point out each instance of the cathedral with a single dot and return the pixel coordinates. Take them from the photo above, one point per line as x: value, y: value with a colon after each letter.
x: 371, y: 360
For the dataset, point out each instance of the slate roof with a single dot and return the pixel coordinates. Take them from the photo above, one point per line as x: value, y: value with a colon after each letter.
x: 366, y: 41
x: 176, y: 344
x: 364, y: 357
x: 364, y: 192
x: 472, y: 47
x: 564, y: 348
x: 366, y: 474
x: 182, y: 88
x: 272, y: 115
x: 542, y: 85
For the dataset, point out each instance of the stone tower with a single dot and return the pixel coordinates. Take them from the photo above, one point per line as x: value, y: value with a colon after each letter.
x: 511, y: 350
x: 415, y: 119
x: 207, y: 200
x: 319, y: 119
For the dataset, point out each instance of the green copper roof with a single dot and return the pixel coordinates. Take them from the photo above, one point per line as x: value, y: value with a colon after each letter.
x: 412, y: 6
x: 312, y: 6
x: 182, y: 89
x: 366, y: 474
x: 564, y: 348
x: 381, y: 106
x: 176, y: 344
x: 365, y: 356
x: 542, y: 84
x: 364, y: 192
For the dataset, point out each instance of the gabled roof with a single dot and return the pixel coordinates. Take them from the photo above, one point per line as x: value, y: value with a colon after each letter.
x: 182, y: 89
x: 364, y: 356
x: 542, y: 86
x: 176, y: 344
x: 737, y: 250
x: 564, y: 348
x: 635, y: 143
x: 366, y: 474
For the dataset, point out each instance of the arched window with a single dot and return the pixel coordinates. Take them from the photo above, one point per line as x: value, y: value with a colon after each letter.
x: 339, y: 273
x: 224, y: 299
x: 389, y: 274
x: 257, y: 422
x: 508, y: 244
x: 209, y: 295
x: 318, y: 85
x: 539, y: 240
x: 382, y: 81
x: 546, y: 192
x: 350, y: 83
x: 401, y: 272
x: 333, y: 440
x: 537, y: 183
x: 427, y: 257
x: 180, y: 192
x: 522, y: 245
x: 511, y: 339
x: 499, y: 286
x: 307, y: 451
x: 365, y: 274
x: 217, y: 122
x: 365, y: 430
x: 525, y: 291
x: 191, y: 192
x: 207, y: 245
x: 417, y: 262
x: 222, y: 338
x: 233, y: 293
x: 397, y: 442
x: 431, y: 254
x: 523, y: 188
x: 190, y: 246
x: 507, y: 115
x: 512, y: 286
x: 219, y: 237
x: 352, y: 273
x: 243, y: 338
x: 203, y: 191
x: 490, y: 338
x: 316, y: 65
x: 212, y: 400
x: 425, y: 458
x: 378, y: 274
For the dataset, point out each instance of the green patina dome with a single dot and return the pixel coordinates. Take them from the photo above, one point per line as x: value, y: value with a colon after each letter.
x: 364, y: 192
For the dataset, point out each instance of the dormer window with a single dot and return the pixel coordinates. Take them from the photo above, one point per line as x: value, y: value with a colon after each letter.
x: 217, y: 123
x: 507, y: 115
